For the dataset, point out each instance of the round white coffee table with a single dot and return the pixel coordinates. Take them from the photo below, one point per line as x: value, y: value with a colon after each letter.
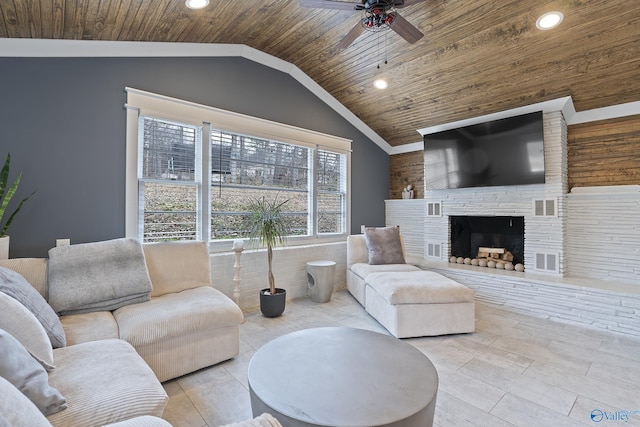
x: 342, y: 377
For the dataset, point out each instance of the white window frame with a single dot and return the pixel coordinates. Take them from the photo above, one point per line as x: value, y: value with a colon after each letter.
x: 195, y: 183
x: 142, y: 103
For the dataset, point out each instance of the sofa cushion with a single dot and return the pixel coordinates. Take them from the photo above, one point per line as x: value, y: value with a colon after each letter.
x: 418, y: 287
x: 98, y: 276
x: 104, y: 382
x: 23, y: 371
x: 99, y: 325
x: 24, y: 326
x: 176, y: 314
x: 384, y: 245
x: 363, y: 269
x: 356, y: 250
x: 32, y: 269
x: 17, y: 410
x: 17, y: 287
x: 177, y: 266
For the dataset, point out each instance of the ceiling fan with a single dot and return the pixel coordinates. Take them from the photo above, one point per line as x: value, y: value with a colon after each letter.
x: 377, y: 15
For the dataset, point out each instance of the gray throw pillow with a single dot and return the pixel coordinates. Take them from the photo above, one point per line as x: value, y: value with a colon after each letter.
x: 27, y: 375
x: 17, y: 287
x: 384, y: 245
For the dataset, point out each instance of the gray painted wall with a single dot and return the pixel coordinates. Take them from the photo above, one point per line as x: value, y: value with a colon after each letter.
x: 63, y: 121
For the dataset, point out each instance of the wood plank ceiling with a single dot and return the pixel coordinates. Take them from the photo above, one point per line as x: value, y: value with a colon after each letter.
x: 477, y: 57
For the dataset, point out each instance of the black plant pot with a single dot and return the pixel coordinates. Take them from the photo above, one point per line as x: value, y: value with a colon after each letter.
x: 272, y: 305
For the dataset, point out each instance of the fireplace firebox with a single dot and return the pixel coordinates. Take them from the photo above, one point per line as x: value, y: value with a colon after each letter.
x: 468, y: 233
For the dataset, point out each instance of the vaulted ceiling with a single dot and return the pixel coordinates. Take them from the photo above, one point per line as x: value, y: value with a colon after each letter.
x: 477, y: 57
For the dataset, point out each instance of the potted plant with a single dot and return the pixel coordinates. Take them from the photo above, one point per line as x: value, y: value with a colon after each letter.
x: 6, y: 193
x: 267, y: 227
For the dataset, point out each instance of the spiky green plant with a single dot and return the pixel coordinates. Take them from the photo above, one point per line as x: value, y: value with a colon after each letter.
x: 267, y: 227
x: 6, y: 193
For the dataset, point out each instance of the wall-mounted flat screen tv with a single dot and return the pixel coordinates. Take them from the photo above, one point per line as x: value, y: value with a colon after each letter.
x: 507, y: 151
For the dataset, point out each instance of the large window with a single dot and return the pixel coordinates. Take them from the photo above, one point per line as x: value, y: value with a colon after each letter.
x: 169, y: 181
x: 245, y: 168
x: 197, y: 168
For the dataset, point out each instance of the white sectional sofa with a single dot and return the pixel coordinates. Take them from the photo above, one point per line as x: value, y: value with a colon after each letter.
x: 131, y: 317
x: 406, y: 300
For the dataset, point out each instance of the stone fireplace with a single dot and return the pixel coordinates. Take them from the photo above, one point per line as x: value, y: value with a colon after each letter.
x: 530, y: 219
x: 469, y: 233
x: 569, y: 236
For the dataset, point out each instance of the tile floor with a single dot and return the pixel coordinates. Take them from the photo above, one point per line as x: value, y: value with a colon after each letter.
x: 514, y: 370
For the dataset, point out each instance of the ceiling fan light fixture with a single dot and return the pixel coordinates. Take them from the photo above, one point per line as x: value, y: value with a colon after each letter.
x: 380, y: 83
x: 196, y: 4
x: 549, y: 20
x: 378, y: 19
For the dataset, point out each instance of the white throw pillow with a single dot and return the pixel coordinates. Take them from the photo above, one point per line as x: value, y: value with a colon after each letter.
x: 23, y: 325
x: 17, y: 287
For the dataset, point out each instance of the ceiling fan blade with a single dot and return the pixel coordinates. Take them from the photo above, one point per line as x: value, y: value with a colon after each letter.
x: 406, y: 30
x: 350, y: 37
x: 329, y: 4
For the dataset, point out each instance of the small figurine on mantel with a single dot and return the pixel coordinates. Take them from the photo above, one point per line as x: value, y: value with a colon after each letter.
x: 407, y: 193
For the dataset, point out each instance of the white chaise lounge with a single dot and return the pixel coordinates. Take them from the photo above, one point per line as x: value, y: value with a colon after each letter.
x: 406, y: 300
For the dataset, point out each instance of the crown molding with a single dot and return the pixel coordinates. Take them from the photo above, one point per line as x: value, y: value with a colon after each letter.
x: 564, y: 104
x: 605, y: 113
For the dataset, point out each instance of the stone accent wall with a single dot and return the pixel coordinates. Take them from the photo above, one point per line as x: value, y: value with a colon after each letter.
x: 603, y: 233
x: 594, y: 231
x: 597, y: 290
x: 614, y: 309
x: 289, y: 269
x: 409, y: 216
x: 544, y: 235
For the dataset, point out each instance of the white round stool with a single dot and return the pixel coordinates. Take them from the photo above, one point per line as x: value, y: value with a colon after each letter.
x: 320, y: 280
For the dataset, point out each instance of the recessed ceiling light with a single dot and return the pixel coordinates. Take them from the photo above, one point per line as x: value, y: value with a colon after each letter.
x: 196, y: 4
x: 380, y: 84
x: 549, y: 20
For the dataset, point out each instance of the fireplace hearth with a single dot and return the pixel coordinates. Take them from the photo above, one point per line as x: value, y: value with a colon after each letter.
x: 470, y: 233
